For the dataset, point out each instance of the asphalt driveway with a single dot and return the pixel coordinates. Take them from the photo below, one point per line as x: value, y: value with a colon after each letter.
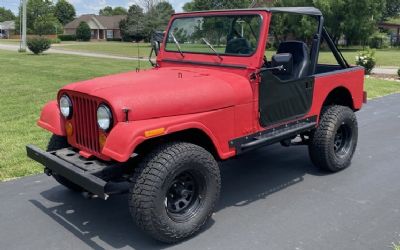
x: 272, y: 198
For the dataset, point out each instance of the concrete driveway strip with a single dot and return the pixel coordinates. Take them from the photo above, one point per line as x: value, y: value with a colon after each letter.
x: 272, y: 198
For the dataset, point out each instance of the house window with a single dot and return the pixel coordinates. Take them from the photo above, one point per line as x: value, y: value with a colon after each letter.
x: 110, y: 34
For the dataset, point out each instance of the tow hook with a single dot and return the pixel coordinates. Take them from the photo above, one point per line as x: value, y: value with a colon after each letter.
x: 48, y: 172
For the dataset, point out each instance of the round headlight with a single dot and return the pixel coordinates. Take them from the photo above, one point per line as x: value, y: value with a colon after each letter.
x: 104, y: 117
x: 66, y: 106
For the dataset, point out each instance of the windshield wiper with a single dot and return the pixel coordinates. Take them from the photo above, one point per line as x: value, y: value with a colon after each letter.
x: 177, y: 44
x: 212, y: 48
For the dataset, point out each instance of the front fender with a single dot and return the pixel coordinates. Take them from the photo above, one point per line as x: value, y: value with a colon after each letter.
x: 51, y: 120
x: 126, y: 136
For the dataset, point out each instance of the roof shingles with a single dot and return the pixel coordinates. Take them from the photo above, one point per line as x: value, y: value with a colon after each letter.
x: 96, y: 22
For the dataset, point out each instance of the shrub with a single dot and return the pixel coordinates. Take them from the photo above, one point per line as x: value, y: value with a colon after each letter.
x: 83, y: 32
x: 114, y: 39
x: 55, y: 40
x: 398, y: 72
x: 67, y: 37
x: 379, y: 41
x: 38, y: 44
x: 367, y: 60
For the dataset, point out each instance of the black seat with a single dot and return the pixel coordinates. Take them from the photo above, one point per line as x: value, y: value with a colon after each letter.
x: 238, y: 46
x: 301, y: 59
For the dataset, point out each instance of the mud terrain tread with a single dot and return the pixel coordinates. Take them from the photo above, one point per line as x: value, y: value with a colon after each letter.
x: 147, y: 184
x: 319, y: 148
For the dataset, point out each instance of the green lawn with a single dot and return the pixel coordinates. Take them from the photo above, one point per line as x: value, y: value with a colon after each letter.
x: 27, y: 82
x: 110, y: 48
x: 377, y: 87
x: 385, y: 57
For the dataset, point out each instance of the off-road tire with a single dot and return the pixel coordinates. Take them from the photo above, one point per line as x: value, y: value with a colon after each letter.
x: 324, y: 150
x: 58, y: 142
x: 152, y: 180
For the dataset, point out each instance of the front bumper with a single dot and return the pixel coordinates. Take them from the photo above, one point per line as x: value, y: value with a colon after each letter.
x: 91, y: 175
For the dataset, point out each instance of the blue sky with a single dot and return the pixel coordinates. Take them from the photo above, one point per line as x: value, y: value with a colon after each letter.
x: 91, y: 6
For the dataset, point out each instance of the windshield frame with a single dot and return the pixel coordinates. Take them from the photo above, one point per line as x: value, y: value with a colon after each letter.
x: 214, y: 15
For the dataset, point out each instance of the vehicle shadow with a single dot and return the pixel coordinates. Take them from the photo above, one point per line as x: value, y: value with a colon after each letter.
x: 104, y: 224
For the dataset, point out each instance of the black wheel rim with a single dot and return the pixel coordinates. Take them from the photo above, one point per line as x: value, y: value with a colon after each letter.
x: 183, y: 197
x: 342, y: 142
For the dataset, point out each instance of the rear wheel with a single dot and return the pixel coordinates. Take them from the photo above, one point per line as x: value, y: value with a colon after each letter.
x: 333, y: 143
x: 59, y: 142
x: 174, y: 191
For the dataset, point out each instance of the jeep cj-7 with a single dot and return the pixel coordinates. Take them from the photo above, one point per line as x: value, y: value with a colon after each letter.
x: 211, y: 95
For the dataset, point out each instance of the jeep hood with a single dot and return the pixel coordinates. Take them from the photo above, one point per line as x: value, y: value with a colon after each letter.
x: 168, y: 91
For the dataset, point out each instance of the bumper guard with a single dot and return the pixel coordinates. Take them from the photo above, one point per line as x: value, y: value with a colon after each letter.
x: 70, y: 171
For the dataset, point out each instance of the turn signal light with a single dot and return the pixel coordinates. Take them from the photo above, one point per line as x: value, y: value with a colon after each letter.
x: 69, y: 129
x: 102, y: 139
x: 154, y: 132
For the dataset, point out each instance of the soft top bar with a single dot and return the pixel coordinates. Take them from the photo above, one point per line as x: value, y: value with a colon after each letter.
x: 311, y: 11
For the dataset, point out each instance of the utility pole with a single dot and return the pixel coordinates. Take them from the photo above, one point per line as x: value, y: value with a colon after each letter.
x: 23, y: 24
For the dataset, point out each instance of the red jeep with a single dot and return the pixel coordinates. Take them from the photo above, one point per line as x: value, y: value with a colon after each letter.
x: 211, y: 95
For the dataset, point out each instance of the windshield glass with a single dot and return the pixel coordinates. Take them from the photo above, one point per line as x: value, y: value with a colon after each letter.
x: 228, y: 35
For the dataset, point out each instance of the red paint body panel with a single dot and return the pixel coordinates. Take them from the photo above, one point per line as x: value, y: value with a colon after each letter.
x: 353, y: 81
x: 218, y: 125
x: 168, y: 91
x: 216, y: 97
x: 51, y: 119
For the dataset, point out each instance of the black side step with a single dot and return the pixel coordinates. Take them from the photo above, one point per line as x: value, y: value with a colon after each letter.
x: 273, y: 135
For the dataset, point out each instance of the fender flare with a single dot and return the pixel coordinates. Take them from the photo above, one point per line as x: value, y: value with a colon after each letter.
x: 51, y: 119
x: 125, y: 137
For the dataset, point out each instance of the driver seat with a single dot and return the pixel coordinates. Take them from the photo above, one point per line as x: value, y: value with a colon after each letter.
x: 301, y: 60
x: 238, y: 46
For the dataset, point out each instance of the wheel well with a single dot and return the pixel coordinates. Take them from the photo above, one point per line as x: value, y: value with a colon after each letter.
x: 195, y: 136
x: 339, y: 96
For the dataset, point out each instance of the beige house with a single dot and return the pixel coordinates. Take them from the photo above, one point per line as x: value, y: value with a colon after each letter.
x: 394, y: 30
x: 7, y: 29
x: 102, y: 27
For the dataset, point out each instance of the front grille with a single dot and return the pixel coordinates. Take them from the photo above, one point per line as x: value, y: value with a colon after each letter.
x: 86, y: 130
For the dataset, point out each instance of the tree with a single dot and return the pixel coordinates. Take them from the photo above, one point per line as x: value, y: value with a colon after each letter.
x: 355, y: 20
x: 392, y: 9
x: 64, y: 11
x: 158, y: 17
x: 147, y: 5
x: 361, y: 19
x: 196, y: 5
x: 109, y: 11
x: 119, y: 11
x: 83, y: 32
x: 132, y: 28
x: 6, y: 15
x: 46, y: 25
x: 38, y: 9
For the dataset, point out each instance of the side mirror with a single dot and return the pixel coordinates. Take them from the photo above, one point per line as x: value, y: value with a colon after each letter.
x: 156, y: 47
x: 283, y: 64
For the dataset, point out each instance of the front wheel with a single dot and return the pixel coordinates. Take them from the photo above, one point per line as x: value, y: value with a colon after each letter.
x: 174, y: 191
x: 333, y: 143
